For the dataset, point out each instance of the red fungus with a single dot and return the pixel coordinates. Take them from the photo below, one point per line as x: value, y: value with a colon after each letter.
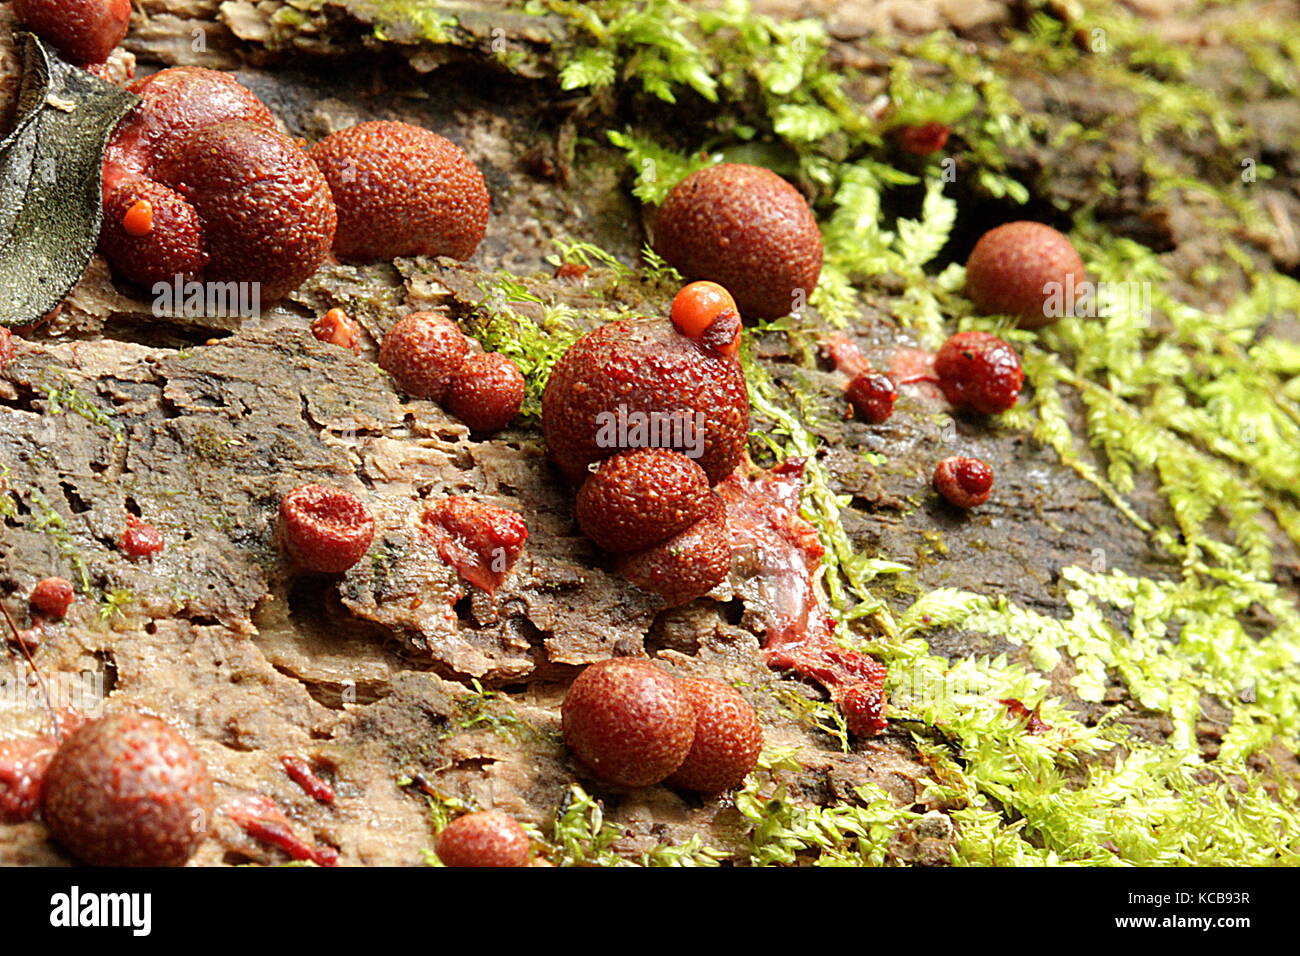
x: 327, y: 530
x: 402, y: 190
x: 485, y: 838
x: 629, y: 722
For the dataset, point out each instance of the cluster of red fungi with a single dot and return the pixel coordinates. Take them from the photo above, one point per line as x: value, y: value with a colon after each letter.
x: 199, y: 182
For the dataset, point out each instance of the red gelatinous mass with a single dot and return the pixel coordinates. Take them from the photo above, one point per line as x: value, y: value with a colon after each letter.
x: 327, y: 530
x: 698, y: 305
x: 137, y: 221
x: 262, y: 819
x: 924, y: 139
x: 628, y: 721
x: 485, y: 838
x: 300, y: 771
x: 481, y: 541
x: 776, y: 556
x: 707, y: 312
x: 980, y: 371
x: 1034, y: 723
x: 872, y: 395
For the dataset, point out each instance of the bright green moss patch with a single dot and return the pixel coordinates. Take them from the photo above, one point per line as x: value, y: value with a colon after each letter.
x: 535, y: 344
x: 785, y: 833
x: 406, y: 20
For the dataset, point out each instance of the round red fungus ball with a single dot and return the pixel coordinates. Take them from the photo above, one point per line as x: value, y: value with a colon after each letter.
x: 423, y: 351
x: 688, y: 565
x: 84, y: 31
x: 267, y: 214
x: 629, y: 722
x: 52, y: 597
x: 140, y: 539
x: 128, y: 790
x: 641, y: 498
x: 728, y: 738
x: 485, y: 838
x: 402, y: 190
x: 749, y: 230
x: 485, y: 392
x: 1024, y: 269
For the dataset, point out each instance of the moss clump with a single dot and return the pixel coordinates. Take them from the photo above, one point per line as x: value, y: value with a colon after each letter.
x: 210, y: 445
x: 65, y: 397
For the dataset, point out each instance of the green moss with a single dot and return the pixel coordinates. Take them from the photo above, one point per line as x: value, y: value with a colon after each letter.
x: 64, y: 397
x: 483, y: 709
x: 535, y: 344
x: 822, y: 716
x: 856, y: 833
x: 112, y: 603
x: 47, y: 521
x: 410, y: 21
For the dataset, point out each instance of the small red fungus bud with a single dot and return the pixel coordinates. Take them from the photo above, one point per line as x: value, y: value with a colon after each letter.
x: 52, y: 597
x: 140, y: 539
x: 327, y: 530
x: 979, y: 370
x: 486, y: 838
x: 138, y: 219
x: 872, y: 395
x: 336, y: 327
x: 965, y: 482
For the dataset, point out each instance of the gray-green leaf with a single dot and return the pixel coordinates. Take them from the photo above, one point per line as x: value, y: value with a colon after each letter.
x: 50, y: 168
